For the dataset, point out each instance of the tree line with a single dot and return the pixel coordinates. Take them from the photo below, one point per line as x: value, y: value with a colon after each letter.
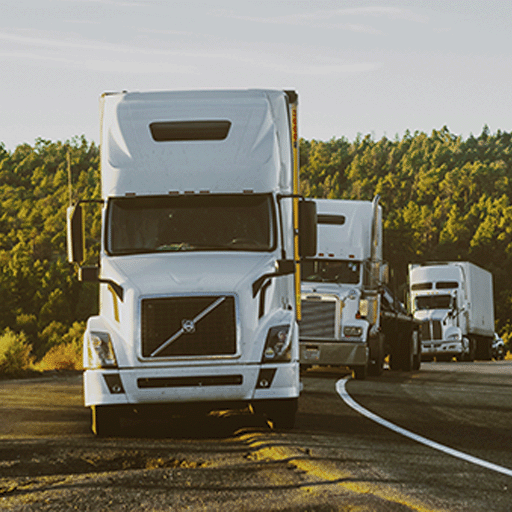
x: 443, y: 197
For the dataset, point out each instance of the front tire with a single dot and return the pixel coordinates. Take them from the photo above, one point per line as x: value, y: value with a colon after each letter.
x: 360, y: 372
x: 281, y: 413
x: 105, y: 421
x: 376, y: 362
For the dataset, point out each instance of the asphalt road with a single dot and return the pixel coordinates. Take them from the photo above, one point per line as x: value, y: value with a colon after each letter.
x: 335, y: 458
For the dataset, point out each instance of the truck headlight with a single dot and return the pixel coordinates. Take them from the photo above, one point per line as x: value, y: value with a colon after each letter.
x: 101, y: 351
x: 278, y: 344
x: 364, y: 308
x: 352, y: 331
x: 454, y: 337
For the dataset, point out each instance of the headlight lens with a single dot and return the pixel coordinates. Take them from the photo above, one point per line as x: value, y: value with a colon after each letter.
x: 352, y: 331
x: 454, y: 337
x: 278, y: 344
x: 101, y: 351
x: 364, y: 308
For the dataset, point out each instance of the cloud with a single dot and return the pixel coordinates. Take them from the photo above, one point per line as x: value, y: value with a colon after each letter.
x: 380, y: 11
x: 317, y: 18
x: 115, y: 3
x: 75, y: 53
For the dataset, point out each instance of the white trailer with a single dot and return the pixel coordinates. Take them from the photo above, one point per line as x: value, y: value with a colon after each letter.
x: 350, y: 317
x: 199, y: 255
x: 454, y: 301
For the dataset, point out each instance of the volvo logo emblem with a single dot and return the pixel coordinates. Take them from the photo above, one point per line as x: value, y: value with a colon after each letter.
x: 188, y: 326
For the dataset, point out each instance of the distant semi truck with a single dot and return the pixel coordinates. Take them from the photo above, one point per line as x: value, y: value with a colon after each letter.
x: 200, y: 255
x: 350, y: 317
x: 454, y: 302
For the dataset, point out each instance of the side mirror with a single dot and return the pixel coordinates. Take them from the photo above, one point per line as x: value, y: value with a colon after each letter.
x: 284, y: 267
x: 307, y: 229
x: 75, y: 233
x: 90, y: 274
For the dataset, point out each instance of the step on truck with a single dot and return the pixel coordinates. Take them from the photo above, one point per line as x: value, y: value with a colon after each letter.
x: 200, y: 256
x: 454, y: 303
x: 349, y: 316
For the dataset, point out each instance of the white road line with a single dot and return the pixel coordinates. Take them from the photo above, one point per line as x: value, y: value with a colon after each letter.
x: 341, y: 390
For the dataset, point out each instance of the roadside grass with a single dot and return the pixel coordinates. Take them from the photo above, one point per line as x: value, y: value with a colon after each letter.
x: 17, y: 358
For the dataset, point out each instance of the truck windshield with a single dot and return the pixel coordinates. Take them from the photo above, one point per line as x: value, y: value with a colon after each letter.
x: 239, y: 222
x: 433, y: 302
x: 335, y: 271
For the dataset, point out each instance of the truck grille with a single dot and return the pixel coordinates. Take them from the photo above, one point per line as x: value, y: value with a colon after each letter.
x: 188, y: 326
x: 431, y: 330
x: 318, y: 319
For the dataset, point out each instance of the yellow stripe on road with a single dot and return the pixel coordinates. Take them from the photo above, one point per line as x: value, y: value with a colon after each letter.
x: 327, y: 473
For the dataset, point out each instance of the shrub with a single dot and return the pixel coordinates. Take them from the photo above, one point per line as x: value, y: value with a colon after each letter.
x: 66, y: 355
x: 15, y: 353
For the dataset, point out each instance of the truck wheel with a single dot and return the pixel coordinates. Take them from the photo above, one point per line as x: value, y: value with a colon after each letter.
x: 105, y: 420
x: 394, y: 362
x: 281, y: 412
x: 483, y: 349
x: 376, y: 362
x: 407, y: 358
x: 471, y: 354
x: 360, y: 372
x: 416, y: 358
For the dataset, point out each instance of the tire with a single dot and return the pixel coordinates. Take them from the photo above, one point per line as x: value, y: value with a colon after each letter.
x: 416, y: 358
x: 472, y: 350
x: 105, y: 421
x: 360, y: 372
x: 281, y: 413
x: 394, y: 362
x: 407, y: 355
x: 483, y: 349
x: 376, y: 362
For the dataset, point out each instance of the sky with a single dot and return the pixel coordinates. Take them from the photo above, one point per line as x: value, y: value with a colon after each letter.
x: 360, y: 67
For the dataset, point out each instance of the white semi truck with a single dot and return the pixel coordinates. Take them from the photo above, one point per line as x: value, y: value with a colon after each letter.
x: 350, y: 318
x: 199, y: 258
x: 454, y: 302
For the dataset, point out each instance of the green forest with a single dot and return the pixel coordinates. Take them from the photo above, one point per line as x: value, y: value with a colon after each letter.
x: 443, y: 198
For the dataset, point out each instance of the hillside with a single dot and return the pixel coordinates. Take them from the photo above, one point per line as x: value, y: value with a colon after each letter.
x: 444, y: 198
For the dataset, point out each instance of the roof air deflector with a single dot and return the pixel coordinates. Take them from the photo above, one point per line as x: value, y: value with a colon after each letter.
x: 168, y: 131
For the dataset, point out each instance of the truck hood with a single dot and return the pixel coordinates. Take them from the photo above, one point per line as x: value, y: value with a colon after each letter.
x: 341, y: 290
x: 431, y: 314
x: 158, y: 274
